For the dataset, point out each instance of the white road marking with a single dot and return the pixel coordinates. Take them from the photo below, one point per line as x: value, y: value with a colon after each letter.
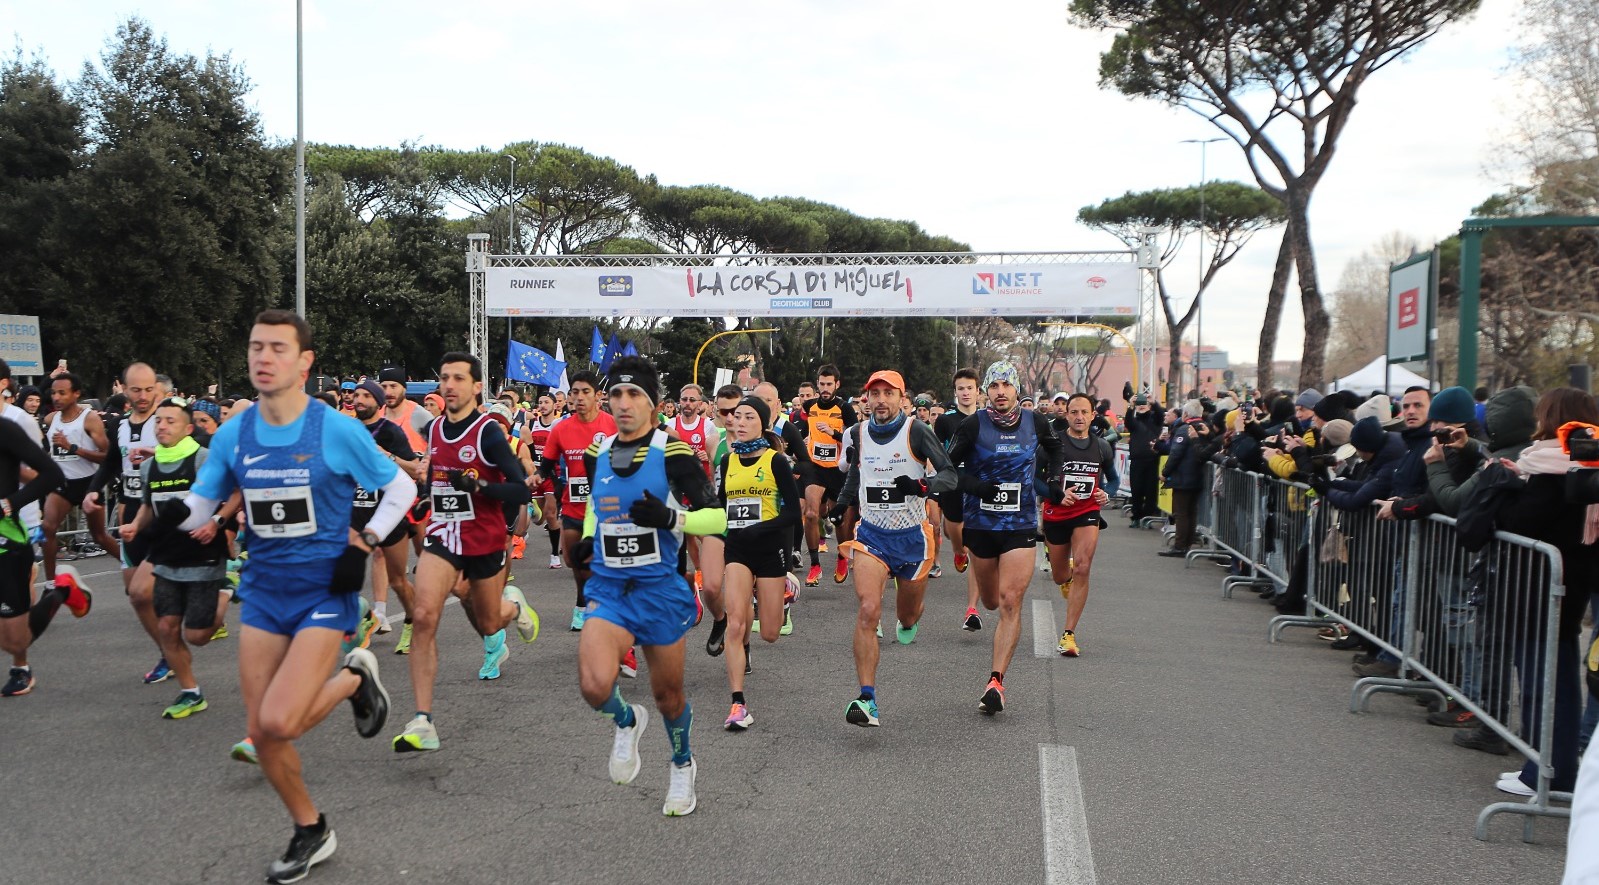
x: 1068, y: 858
x: 1044, y: 638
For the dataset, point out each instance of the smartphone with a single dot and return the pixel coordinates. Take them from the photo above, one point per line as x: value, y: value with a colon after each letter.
x: 61, y: 364
x: 1443, y: 435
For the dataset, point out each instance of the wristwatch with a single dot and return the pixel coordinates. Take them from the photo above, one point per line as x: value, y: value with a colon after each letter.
x: 370, y: 538
x: 220, y: 520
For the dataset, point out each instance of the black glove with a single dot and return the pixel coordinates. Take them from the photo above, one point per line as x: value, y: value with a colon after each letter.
x: 582, y: 552
x: 170, y: 516
x: 1127, y: 391
x: 461, y: 481
x: 908, y: 486
x: 989, y: 491
x: 651, y: 512
x: 349, y: 573
x: 838, y: 511
x: 1057, y: 493
x: 1319, y: 484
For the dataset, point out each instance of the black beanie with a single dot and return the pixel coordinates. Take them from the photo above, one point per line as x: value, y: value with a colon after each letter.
x: 759, y: 405
x: 392, y: 373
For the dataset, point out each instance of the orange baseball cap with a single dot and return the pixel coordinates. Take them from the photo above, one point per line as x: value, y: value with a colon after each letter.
x: 887, y: 376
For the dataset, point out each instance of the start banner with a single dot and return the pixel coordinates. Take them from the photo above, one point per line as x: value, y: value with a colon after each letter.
x: 1103, y: 288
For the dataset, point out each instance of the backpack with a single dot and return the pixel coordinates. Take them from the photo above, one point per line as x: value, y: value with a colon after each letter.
x: 1478, y: 518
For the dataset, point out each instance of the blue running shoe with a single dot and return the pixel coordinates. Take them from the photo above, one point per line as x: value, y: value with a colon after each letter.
x: 862, y: 712
x: 161, y: 673
x: 495, y: 651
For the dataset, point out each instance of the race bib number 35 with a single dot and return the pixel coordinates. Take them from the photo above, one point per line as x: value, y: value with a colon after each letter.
x: 1008, y: 500
x: 625, y: 545
x: 281, y: 513
x: 824, y: 453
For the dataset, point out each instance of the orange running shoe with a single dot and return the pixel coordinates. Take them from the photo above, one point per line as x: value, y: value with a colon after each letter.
x: 841, y: 572
x: 518, y: 544
x: 994, y: 698
x: 630, y: 664
x: 960, y: 562
x: 813, y: 577
x: 78, y: 598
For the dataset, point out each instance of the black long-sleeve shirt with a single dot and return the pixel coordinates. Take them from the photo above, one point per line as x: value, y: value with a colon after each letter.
x: 497, y: 450
x: 960, y: 451
x: 18, y: 451
x: 788, y: 497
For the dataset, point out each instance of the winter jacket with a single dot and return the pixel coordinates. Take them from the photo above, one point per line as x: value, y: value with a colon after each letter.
x: 1510, y: 425
x: 1188, y: 452
x: 1378, y: 482
x: 1143, y: 431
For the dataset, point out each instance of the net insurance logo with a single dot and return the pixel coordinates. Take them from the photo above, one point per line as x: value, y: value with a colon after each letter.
x: 1020, y: 283
x: 622, y: 286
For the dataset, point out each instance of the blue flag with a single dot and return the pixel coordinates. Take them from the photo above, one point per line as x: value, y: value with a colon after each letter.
x: 612, y: 351
x: 596, y: 347
x: 629, y: 350
x: 530, y: 365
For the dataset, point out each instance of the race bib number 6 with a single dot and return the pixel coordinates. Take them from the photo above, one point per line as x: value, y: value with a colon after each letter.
x: 281, y: 512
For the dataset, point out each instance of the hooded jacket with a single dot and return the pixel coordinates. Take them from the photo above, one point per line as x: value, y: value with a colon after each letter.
x: 1379, y: 477
x: 1510, y: 425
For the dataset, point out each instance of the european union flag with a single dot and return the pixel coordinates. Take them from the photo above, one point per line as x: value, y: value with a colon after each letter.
x: 530, y: 365
x: 612, y: 351
x: 629, y: 350
x: 596, y: 347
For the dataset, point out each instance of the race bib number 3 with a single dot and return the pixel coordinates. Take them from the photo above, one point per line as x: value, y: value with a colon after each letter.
x: 577, y: 489
x: 625, y: 545
x: 743, y: 512
x: 1008, y: 500
x: 450, y: 505
x: 883, y: 498
x: 281, y: 513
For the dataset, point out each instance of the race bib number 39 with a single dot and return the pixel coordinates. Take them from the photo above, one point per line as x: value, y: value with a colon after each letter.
x: 883, y: 498
x: 281, y: 512
x: 743, y: 512
x: 577, y: 489
x: 1008, y: 500
x: 625, y: 545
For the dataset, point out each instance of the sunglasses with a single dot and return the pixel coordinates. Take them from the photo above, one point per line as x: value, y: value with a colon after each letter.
x: 726, y: 412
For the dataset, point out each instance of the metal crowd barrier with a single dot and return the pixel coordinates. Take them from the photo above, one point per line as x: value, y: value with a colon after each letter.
x: 1478, y: 628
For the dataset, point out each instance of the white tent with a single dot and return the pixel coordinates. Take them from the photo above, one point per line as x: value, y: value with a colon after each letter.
x: 1370, y: 377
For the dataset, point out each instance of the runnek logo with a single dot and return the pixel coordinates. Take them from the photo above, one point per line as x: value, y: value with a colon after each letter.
x: 1004, y: 283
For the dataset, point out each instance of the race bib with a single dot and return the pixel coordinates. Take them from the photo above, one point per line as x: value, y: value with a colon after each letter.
x: 883, y: 498
x: 132, y: 485
x: 577, y: 490
x: 364, y: 499
x: 1008, y: 500
x: 625, y: 545
x: 824, y: 453
x: 1082, y: 485
x: 62, y: 453
x: 743, y: 512
x: 285, y: 512
x: 450, y: 505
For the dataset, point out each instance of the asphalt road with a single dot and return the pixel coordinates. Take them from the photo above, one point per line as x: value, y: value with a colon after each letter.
x: 1180, y: 747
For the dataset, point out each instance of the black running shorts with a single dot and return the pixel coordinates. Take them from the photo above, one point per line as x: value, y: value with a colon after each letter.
x: 989, y: 544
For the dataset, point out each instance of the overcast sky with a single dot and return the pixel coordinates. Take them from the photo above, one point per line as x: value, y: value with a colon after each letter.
x: 983, y: 125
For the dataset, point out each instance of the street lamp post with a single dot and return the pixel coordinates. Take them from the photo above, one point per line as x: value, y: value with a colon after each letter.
x: 299, y: 159
x: 1199, y: 318
x: 510, y: 244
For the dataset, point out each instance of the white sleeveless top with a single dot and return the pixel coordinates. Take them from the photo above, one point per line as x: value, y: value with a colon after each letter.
x: 72, y: 466
x: 881, y: 504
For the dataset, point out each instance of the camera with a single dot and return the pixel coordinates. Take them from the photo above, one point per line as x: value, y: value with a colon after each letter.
x: 1443, y: 435
x: 1323, y: 462
x: 1581, y: 442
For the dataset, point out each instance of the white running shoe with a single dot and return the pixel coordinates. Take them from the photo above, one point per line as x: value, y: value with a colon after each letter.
x: 680, y: 798
x: 624, y: 750
x: 555, y: 561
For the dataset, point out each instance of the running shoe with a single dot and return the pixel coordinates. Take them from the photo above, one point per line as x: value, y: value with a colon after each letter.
x: 1066, y: 591
x: 973, y: 623
x: 814, y: 576
x: 419, y: 735
x: 699, y: 581
x: 20, y: 683
x: 755, y: 625
x: 699, y: 606
x: 879, y: 631
x: 791, y: 589
x: 749, y: 666
x: 577, y: 619
x: 788, y: 623
x: 527, y: 620
x: 383, y: 626
x: 905, y: 635
x: 841, y: 571
x: 680, y: 799
x: 936, y: 572
x: 555, y: 561
x: 862, y: 712
x: 78, y: 598
x: 822, y: 546
x: 494, y: 654
x: 993, y: 698
x: 221, y: 632
x: 160, y: 673
x: 370, y: 702
x: 717, y: 640
x: 403, y: 647
x: 960, y: 563
x: 234, y: 567
x: 624, y: 762
x: 738, y: 718
x: 630, y: 663
x: 309, y: 847
x: 188, y: 703
x: 362, y: 637
x: 244, y: 751
x: 1068, y: 645
x: 518, y: 546
x: 794, y: 559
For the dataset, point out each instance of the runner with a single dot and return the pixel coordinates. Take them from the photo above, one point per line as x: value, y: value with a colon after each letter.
x: 539, y: 426
x: 640, y: 474
x: 693, y: 427
x: 798, y: 455
x: 19, y: 413
x: 78, y: 445
x: 471, y: 472
x: 825, y: 421
x: 569, y: 439
x: 1071, y: 528
x: 189, y: 572
x: 999, y: 449
x: 713, y: 568
x: 889, y: 482
x: 950, y: 504
x: 761, y: 500
x: 298, y: 465
x: 18, y: 450
x: 390, y: 560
